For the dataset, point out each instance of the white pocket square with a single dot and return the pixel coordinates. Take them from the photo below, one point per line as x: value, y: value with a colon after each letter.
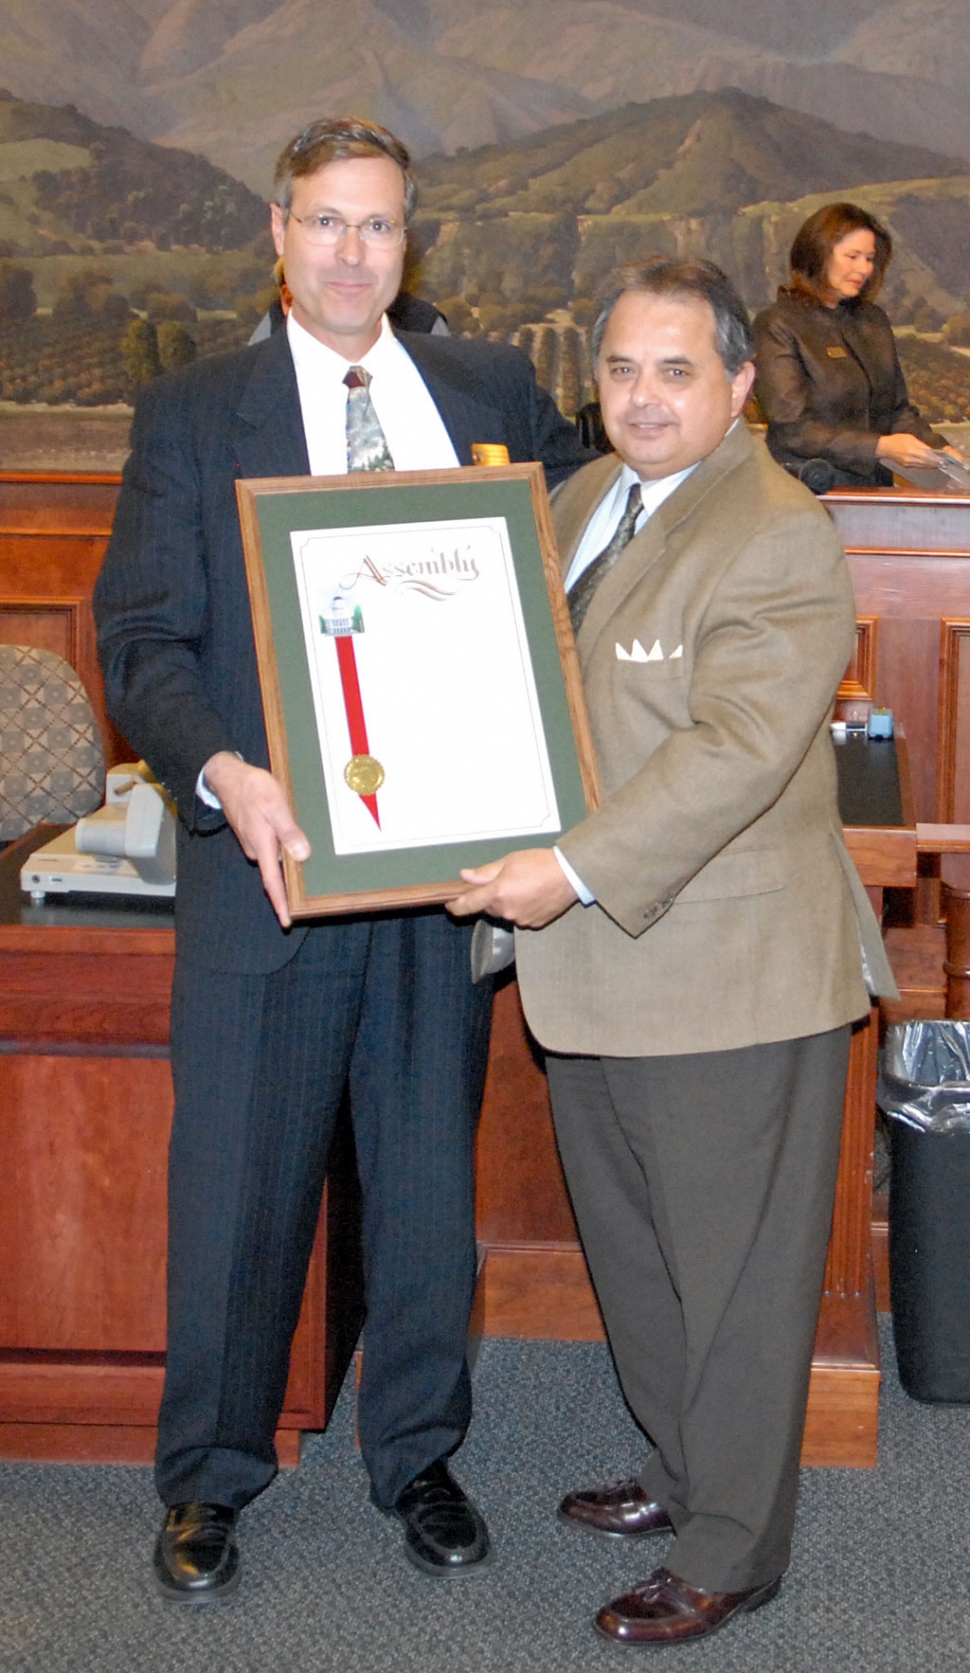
x: 638, y: 654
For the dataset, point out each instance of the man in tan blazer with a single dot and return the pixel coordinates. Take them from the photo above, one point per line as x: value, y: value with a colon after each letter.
x: 696, y: 1010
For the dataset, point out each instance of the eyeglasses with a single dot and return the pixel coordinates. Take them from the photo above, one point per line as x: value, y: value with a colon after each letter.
x: 376, y: 232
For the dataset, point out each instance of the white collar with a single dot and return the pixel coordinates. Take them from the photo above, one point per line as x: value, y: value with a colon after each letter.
x: 310, y: 355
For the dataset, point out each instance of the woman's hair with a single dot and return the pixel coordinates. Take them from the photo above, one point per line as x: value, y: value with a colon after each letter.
x: 815, y: 241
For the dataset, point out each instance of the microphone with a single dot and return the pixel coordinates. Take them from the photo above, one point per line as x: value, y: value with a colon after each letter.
x: 816, y: 474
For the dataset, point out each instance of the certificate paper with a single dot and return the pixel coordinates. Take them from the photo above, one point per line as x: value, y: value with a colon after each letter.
x: 457, y: 735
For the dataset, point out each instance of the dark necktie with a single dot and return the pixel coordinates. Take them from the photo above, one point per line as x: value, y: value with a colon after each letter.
x: 582, y: 592
x: 367, y: 448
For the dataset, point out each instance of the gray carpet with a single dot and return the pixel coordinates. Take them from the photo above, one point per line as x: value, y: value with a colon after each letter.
x: 880, y: 1577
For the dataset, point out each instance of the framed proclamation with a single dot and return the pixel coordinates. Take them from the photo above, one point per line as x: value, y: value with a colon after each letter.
x: 420, y: 684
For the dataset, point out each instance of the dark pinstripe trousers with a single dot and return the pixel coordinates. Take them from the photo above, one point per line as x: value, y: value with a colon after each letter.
x: 384, y: 1006
x: 703, y: 1188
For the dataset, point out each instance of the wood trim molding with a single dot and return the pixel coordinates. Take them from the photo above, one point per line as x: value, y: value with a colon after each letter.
x: 55, y: 531
x: 859, y: 680
x: 84, y: 478
x: 954, y: 648
x: 43, y: 605
x: 848, y: 1267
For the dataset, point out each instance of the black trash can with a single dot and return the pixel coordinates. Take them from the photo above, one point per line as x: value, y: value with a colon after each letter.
x: 924, y: 1089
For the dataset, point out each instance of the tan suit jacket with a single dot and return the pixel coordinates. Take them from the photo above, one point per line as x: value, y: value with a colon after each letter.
x: 727, y: 910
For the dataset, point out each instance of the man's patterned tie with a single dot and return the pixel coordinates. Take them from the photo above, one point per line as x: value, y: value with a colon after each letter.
x: 367, y: 448
x: 581, y: 594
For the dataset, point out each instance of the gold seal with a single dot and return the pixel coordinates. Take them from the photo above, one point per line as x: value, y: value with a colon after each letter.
x: 489, y: 453
x: 364, y: 774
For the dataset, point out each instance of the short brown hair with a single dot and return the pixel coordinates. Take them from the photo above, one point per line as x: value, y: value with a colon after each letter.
x: 815, y: 241
x: 329, y: 140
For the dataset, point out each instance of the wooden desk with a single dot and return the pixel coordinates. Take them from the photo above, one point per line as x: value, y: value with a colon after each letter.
x: 909, y: 557
x: 85, y: 1110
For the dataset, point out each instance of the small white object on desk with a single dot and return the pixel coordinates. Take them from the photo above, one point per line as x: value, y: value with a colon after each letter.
x: 126, y: 848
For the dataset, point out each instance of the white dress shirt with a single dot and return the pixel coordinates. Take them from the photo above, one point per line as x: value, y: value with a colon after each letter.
x: 599, y: 532
x: 416, y: 435
x: 606, y: 518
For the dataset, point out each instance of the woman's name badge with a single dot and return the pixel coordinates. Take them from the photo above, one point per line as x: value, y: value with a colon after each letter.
x: 837, y: 353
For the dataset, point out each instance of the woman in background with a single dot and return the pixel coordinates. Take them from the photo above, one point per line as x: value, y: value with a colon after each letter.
x: 829, y: 380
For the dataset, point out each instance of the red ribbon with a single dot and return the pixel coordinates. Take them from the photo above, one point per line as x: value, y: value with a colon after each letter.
x: 353, y: 704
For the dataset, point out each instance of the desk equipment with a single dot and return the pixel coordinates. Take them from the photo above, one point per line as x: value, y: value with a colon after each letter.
x: 126, y: 848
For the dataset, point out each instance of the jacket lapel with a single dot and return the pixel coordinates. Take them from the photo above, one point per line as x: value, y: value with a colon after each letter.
x: 456, y: 395
x: 575, y: 500
x: 270, y: 439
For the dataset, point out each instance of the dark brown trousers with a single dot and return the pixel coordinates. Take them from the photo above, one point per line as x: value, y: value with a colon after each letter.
x: 703, y: 1187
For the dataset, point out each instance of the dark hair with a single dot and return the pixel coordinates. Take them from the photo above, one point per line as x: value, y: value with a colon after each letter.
x: 332, y: 138
x: 665, y: 276
x: 815, y: 241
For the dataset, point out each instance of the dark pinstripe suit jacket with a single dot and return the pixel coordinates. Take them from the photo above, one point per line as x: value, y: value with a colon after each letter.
x: 172, y: 607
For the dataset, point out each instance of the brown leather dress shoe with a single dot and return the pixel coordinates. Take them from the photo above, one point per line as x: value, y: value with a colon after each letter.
x: 665, y: 1610
x: 621, y: 1510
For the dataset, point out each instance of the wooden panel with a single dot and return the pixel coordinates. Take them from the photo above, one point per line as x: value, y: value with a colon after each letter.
x: 883, y: 856
x: 46, y: 627
x: 880, y: 1250
x: 842, y: 1418
x: 916, y: 954
x: 40, y: 501
x: 909, y: 556
x: 104, y: 1443
x: 893, y: 519
x: 540, y: 1292
x: 60, y: 1443
x: 82, y: 1203
x: 79, y: 997
x: 522, y: 1195
x: 80, y: 1389
x: 53, y: 533
x: 847, y: 1271
x: 859, y: 680
x: 953, y: 762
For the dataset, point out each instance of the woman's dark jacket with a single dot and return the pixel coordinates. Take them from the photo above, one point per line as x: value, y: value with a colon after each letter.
x: 830, y: 384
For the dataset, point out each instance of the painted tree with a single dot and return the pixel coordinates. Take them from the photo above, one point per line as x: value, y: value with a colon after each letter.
x: 17, y: 298
x: 140, y: 353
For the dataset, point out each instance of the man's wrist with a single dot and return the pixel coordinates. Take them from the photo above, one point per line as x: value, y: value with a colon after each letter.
x: 204, y: 787
x: 585, y: 895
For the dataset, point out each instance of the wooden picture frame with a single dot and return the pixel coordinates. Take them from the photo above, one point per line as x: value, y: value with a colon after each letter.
x: 453, y: 734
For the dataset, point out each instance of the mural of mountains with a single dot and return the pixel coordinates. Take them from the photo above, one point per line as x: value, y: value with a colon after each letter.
x: 725, y: 175
x: 69, y: 185
x: 119, y: 257
x: 232, y: 79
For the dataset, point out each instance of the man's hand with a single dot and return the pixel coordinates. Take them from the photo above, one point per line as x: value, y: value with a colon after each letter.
x: 256, y: 807
x: 906, y: 450
x: 529, y: 888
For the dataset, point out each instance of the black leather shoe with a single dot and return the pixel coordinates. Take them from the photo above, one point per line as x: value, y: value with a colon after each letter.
x: 196, y: 1556
x: 621, y: 1510
x: 444, y: 1534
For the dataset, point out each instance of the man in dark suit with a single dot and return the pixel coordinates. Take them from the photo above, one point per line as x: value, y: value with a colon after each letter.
x: 696, y: 1007
x: 271, y: 1024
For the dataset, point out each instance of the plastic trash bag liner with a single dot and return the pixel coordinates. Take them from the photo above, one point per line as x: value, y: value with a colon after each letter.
x: 924, y: 1077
